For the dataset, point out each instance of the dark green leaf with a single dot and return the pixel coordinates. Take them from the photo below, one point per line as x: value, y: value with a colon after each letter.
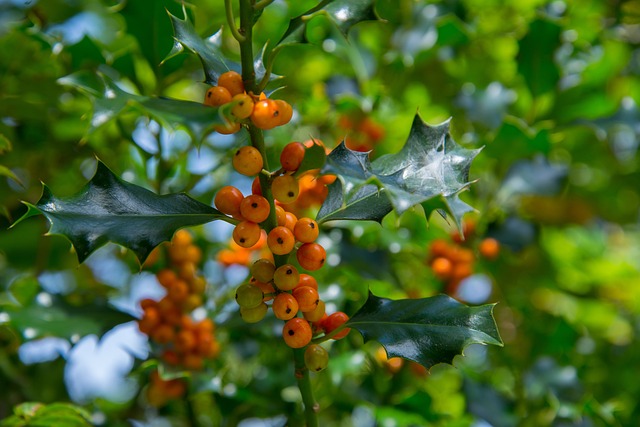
x: 109, y: 209
x: 429, y: 165
x: 208, y: 50
x: 535, y: 57
x: 426, y: 330
x: 343, y: 13
x: 110, y: 101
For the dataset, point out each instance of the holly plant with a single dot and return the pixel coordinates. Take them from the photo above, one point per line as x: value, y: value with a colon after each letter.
x: 426, y: 176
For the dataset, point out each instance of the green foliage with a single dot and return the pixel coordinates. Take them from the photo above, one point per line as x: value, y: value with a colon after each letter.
x: 550, y: 90
x: 429, y: 165
x: 109, y: 209
x: 427, y: 330
x: 40, y: 415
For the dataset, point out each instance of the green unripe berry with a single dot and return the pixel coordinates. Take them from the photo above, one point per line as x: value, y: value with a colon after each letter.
x: 254, y: 314
x: 249, y: 296
x: 263, y: 270
x: 316, y: 358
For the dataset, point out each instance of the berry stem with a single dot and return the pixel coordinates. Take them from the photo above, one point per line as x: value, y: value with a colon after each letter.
x: 330, y: 335
x: 247, y: 10
x: 311, y: 407
x: 231, y: 21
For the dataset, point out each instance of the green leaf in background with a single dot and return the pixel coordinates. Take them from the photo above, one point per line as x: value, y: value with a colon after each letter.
x: 109, y: 209
x: 5, y: 171
x: 343, y: 13
x: 5, y: 144
x: 32, y: 414
x: 536, y: 56
x: 110, y: 101
x: 429, y: 165
x: 426, y: 330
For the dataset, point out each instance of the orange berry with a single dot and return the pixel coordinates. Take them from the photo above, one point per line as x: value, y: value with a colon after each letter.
x: 333, y: 321
x: 171, y: 357
x: 255, y: 186
x: 286, y: 277
x: 438, y: 248
x: 285, y: 306
x: 290, y: 220
x: 182, y: 238
x: 265, y: 114
x: 311, y: 256
x: 489, y: 248
x: 192, y: 362
x: 243, y: 106
x: 285, y: 112
x: 217, y: 96
x: 166, y: 277
x: 185, y: 341
x: 442, y: 268
x: 281, y: 216
x: 280, y: 240
x: 246, y: 234
x: 292, y: 155
x: 148, y: 303
x: 192, y: 302
x: 228, y: 200
x: 232, y: 81
x: 285, y: 188
x: 255, y: 208
x: 205, y: 326
x: 461, y: 270
x: 317, y: 313
x: 163, y: 334
x: 297, y: 333
x: 307, y: 298
x: 307, y: 280
x: 247, y: 161
x: 306, y: 230
x: 179, y: 291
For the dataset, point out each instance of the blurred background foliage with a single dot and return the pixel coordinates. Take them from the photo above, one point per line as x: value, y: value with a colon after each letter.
x: 548, y: 88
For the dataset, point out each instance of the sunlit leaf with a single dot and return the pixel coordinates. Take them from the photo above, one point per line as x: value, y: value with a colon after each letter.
x: 426, y: 330
x: 344, y: 14
x: 430, y: 165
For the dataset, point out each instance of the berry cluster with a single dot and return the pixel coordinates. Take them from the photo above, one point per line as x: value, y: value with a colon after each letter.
x: 160, y: 392
x: 184, y: 342
x: 451, y: 262
x: 293, y: 295
x: 363, y: 132
x: 264, y: 113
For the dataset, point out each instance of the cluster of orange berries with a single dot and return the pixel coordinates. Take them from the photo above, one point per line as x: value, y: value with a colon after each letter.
x: 393, y: 365
x: 160, y: 392
x: 168, y: 323
x: 294, y: 295
x: 451, y: 262
x: 264, y: 113
x: 363, y: 133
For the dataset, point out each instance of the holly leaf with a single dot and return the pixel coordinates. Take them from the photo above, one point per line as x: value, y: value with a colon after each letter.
x: 209, y: 50
x: 109, y: 209
x: 344, y: 14
x: 430, y: 165
x: 314, y: 158
x: 426, y: 330
x: 536, y: 60
x: 110, y: 101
